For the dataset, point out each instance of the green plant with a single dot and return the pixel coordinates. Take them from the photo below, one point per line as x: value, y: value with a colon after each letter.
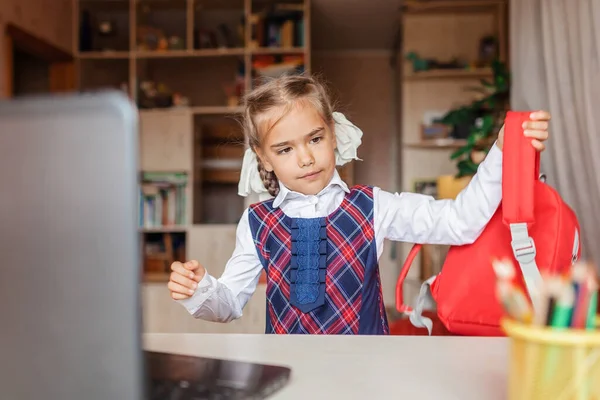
x: 483, y: 118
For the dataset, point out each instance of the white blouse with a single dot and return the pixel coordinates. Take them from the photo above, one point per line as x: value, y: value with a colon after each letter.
x: 407, y: 217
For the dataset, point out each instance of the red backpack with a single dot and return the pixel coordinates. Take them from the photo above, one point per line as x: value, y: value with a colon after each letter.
x: 533, y: 226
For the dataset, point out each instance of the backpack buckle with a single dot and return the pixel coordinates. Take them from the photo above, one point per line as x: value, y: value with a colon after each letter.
x: 524, y: 250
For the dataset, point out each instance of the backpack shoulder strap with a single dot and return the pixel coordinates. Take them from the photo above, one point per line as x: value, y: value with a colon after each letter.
x: 520, y: 170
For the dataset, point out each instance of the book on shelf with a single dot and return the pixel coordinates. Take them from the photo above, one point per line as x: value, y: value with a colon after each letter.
x: 163, y: 199
x: 280, y: 26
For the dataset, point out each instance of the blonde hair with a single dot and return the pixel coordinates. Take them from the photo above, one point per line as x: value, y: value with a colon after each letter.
x: 281, y: 95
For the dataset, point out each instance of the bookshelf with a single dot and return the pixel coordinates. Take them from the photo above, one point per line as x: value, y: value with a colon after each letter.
x: 186, y: 64
x: 456, y: 33
x: 439, y: 32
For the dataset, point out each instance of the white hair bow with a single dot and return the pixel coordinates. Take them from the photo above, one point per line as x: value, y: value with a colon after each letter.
x: 348, y: 137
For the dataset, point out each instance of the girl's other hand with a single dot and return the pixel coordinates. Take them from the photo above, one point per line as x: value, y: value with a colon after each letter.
x: 184, y: 279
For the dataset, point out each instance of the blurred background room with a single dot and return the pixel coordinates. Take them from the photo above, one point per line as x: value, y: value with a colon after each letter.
x: 427, y: 81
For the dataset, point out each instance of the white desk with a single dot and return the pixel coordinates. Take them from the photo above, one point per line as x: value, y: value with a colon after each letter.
x: 363, y: 367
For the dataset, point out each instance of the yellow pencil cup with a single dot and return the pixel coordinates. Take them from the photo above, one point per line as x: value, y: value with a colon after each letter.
x: 552, y: 364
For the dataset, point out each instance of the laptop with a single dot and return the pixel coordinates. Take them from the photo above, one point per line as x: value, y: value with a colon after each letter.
x: 69, y: 266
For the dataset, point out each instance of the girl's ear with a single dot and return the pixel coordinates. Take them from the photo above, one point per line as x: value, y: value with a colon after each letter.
x: 268, y: 166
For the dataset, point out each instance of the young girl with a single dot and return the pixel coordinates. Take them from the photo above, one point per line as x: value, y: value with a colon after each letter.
x: 318, y: 240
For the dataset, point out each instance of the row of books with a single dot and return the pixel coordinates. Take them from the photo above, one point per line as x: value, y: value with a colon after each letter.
x: 282, y: 26
x: 162, y: 199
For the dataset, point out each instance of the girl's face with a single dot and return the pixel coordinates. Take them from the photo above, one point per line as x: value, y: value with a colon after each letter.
x: 299, y: 148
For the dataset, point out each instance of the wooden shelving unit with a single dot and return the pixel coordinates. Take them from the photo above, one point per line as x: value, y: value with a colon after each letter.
x: 441, y: 30
x: 202, y: 55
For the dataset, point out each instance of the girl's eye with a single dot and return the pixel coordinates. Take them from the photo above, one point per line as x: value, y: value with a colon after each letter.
x: 316, y: 140
x: 285, y: 150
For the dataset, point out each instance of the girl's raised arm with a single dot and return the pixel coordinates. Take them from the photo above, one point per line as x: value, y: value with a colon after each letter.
x: 417, y: 218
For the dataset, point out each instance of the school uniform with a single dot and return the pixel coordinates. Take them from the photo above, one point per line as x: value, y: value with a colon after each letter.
x: 320, y: 252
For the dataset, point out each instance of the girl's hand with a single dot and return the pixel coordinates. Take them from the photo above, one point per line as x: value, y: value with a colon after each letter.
x: 184, y: 279
x: 536, y: 128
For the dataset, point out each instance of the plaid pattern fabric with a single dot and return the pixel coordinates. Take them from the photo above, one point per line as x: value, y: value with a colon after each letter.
x: 353, y: 301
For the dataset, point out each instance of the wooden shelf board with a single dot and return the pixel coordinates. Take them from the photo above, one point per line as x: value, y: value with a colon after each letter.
x: 156, y: 277
x: 450, y: 6
x: 165, y: 229
x: 437, y: 144
x: 103, y: 55
x: 199, y: 110
x: 146, y: 54
x: 104, y: 2
x: 277, y: 50
x: 216, y: 110
x: 449, y: 74
x: 238, y: 51
x: 154, y: 5
x: 162, y: 54
x: 164, y: 110
x: 143, y: 54
x: 270, y: 2
x: 104, y: 5
x: 219, y: 5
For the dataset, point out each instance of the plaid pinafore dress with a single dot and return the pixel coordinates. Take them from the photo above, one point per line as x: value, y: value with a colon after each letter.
x: 322, y: 273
